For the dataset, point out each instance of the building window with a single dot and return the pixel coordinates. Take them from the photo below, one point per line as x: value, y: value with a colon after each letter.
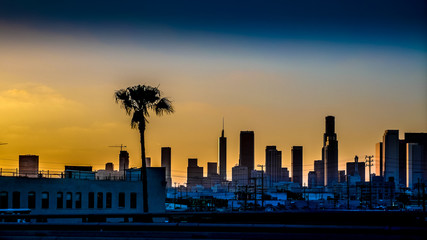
x: 69, y: 200
x: 91, y: 200
x: 16, y: 200
x: 100, y: 200
x: 45, y: 200
x: 133, y: 200
x: 79, y: 200
x: 4, y: 200
x: 32, y: 200
x: 121, y: 200
x: 59, y: 200
x: 109, y: 199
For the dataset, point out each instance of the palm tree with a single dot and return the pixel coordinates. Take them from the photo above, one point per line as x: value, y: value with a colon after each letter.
x: 137, y: 101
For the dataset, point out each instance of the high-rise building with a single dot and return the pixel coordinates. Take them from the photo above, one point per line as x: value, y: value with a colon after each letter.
x: 297, y: 164
x: 273, y: 165
x: 222, y: 156
x: 28, y: 165
x: 123, y: 161
x: 356, y: 169
x: 402, y: 162
x: 330, y: 152
x: 212, y: 169
x: 379, y: 160
x: 421, y: 139
x: 247, y: 150
x: 166, y: 163
x: 414, y: 168
x: 319, y: 168
x: 391, y: 156
x: 240, y: 175
x: 341, y: 176
x: 194, y: 173
x: 109, y: 166
x: 285, y: 175
x: 312, y: 178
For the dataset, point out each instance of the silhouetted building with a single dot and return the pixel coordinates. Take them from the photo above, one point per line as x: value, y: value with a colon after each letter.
x: 123, y: 161
x: 421, y: 139
x: 222, y: 145
x: 297, y: 164
x: 379, y: 160
x: 356, y: 169
x: 148, y: 161
x: 166, y: 163
x: 28, y: 165
x: 402, y: 162
x: 194, y: 173
x: 247, y: 150
x: 415, y: 161
x: 319, y: 168
x: 79, y: 172
x: 312, y: 179
x: 391, y: 155
x: 285, y: 175
x: 109, y: 166
x: 341, y: 176
x: 239, y: 175
x: 330, y: 152
x: 273, y: 165
x: 212, y: 169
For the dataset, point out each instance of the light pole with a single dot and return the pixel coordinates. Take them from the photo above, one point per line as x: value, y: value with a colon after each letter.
x: 262, y: 184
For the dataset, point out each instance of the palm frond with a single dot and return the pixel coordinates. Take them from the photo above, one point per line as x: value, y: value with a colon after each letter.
x: 164, y: 105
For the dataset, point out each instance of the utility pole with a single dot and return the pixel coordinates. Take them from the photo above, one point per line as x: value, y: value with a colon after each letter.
x: 262, y: 184
x: 174, y: 198
x: 369, y: 163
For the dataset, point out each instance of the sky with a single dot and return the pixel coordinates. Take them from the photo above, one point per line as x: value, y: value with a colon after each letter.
x: 275, y: 67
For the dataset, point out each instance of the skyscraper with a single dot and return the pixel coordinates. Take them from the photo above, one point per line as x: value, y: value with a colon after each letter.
x: 247, y: 150
x: 356, y: 169
x: 123, y: 161
x: 28, y: 165
x: 273, y: 164
x: 391, y: 155
x: 402, y: 162
x: 212, y: 169
x: 319, y: 168
x: 330, y: 152
x: 166, y: 163
x: 421, y: 139
x: 379, y: 160
x: 222, y: 156
x: 414, y: 168
x: 194, y: 173
x: 312, y: 178
x: 296, y: 157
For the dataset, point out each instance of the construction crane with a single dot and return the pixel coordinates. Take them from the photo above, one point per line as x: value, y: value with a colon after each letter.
x: 121, y: 147
x: 3, y: 143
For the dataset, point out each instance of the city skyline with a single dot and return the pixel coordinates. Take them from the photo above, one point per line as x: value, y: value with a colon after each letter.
x: 275, y: 68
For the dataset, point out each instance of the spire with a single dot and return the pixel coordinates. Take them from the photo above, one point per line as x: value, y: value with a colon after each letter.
x: 222, y: 133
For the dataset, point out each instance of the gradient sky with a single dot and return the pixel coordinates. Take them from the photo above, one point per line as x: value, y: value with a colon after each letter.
x: 274, y: 67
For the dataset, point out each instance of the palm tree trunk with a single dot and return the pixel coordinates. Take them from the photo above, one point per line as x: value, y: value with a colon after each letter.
x: 143, y: 168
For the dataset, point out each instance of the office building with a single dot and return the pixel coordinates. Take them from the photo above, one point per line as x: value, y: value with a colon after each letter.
x: 341, y: 176
x: 319, y: 168
x: 379, y: 160
x: 247, y: 151
x: 109, y: 166
x: 312, y: 179
x: 28, y: 165
x: 285, y: 175
x: 415, y: 164
x: 212, y: 169
x: 391, y: 156
x: 421, y: 139
x: 330, y: 152
x: 166, y: 163
x: 123, y: 161
x: 402, y: 163
x: 222, y: 156
x: 273, y: 165
x: 356, y: 169
x: 194, y: 173
x: 240, y: 175
x: 297, y: 163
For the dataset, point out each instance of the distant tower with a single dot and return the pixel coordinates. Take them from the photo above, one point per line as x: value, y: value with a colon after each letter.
x: 296, y: 153
x: 415, y: 164
x: 194, y: 173
x: 148, y: 161
x: 212, y: 169
x: 109, y: 166
x: 391, y: 155
x: 123, y: 161
x: 273, y: 165
x: 379, y: 160
x: 166, y: 163
x: 402, y: 162
x: 222, y: 155
x: 330, y: 152
x: 319, y: 168
x: 28, y: 165
x: 247, y: 151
